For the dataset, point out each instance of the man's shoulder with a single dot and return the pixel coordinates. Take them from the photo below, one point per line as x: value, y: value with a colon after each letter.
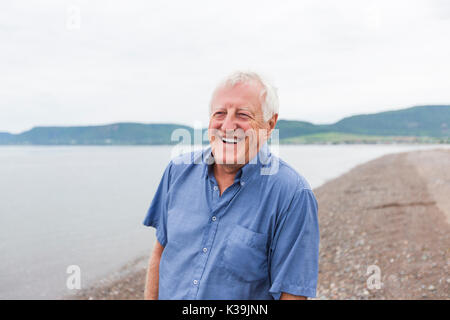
x: 286, y: 184
x: 186, y: 161
x: 287, y: 176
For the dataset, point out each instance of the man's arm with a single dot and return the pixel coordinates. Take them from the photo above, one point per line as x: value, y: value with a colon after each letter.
x: 295, y: 249
x: 288, y: 296
x: 152, y: 280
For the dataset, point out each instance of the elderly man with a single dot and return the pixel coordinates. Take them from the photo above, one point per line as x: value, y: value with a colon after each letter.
x: 234, y: 221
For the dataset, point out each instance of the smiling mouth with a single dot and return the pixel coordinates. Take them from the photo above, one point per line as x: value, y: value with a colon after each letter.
x: 232, y: 141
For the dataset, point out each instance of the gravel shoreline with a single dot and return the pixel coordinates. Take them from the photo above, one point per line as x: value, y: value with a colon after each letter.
x: 390, y: 214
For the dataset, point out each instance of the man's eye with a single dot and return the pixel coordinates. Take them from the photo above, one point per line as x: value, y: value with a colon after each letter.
x: 244, y: 115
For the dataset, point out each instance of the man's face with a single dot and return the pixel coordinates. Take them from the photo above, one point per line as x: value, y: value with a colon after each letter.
x: 236, y: 127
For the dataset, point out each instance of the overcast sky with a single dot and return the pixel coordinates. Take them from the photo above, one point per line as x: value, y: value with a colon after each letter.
x: 159, y: 61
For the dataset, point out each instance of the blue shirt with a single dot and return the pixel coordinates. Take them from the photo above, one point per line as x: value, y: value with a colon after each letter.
x: 258, y: 239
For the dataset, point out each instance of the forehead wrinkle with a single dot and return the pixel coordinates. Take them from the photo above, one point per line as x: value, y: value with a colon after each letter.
x: 246, y: 108
x: 231, y: 105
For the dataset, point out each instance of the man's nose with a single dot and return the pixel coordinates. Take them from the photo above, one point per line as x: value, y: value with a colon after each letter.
x: 229, y: 123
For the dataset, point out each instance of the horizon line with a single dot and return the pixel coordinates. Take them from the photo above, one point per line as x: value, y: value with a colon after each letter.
x: 192, y: 126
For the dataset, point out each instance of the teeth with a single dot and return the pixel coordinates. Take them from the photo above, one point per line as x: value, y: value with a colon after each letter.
x: 234, y: 141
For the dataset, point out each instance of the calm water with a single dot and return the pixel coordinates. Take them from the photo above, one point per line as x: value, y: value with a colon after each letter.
x: 62, y: 206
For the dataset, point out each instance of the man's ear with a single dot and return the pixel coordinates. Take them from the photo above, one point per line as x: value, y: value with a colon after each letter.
x: 272, y: 123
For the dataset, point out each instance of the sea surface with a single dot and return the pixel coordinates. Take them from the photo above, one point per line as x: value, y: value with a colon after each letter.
x: 84, y: 206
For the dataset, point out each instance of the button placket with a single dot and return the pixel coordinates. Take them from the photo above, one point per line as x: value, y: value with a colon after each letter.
x: 202, y: 260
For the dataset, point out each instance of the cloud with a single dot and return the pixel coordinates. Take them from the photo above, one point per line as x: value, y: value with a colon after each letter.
x: 153, y: 61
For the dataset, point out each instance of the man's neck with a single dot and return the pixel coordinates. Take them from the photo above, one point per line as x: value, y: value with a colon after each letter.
x: 225, y: 175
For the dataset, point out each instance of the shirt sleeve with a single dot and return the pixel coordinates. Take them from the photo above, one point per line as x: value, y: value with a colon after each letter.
x: 157, y: 213
x: 294, y: 253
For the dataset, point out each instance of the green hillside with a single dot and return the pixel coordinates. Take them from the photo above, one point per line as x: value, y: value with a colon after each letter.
x: 116, y: 134
x: 332, y: 137
x: 291, y: 128
x: 352, y: 138
x: 427, y: 123
x: 431, y: 121
x: 5, y: 137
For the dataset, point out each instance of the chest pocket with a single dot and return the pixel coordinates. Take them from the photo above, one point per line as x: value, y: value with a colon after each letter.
x: 245, y: 255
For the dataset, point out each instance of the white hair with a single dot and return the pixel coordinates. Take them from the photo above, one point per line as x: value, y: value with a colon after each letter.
x: 268, y: 94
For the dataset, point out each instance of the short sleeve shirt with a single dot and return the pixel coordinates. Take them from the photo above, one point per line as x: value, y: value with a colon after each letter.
x: 258, y: 239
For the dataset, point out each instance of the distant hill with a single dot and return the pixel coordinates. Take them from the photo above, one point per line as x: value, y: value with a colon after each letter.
x: 117, y: 133
x: 5, y: 137
x: 421, y: 122
x: 291, y: 128
x: 431, y: 121
x: 427, y: 123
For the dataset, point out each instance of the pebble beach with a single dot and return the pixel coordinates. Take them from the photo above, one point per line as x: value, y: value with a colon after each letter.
x: 385, y: 234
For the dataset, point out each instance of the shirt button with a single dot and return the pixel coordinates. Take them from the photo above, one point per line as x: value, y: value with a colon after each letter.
x: 242, y: 183
x: 195, y: 282
x: 214, y: 218
x: 215, y: 188
x: 205, y: 249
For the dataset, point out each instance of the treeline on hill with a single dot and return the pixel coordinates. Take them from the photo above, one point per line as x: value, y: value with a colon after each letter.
x: 425, y: 122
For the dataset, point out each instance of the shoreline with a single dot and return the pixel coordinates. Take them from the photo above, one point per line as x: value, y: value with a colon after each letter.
x: 384, y: 213
x: 391, y: 212
x: 438, y: 144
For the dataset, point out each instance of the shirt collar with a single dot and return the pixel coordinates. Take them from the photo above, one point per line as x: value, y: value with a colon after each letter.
x: 247, y: 171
